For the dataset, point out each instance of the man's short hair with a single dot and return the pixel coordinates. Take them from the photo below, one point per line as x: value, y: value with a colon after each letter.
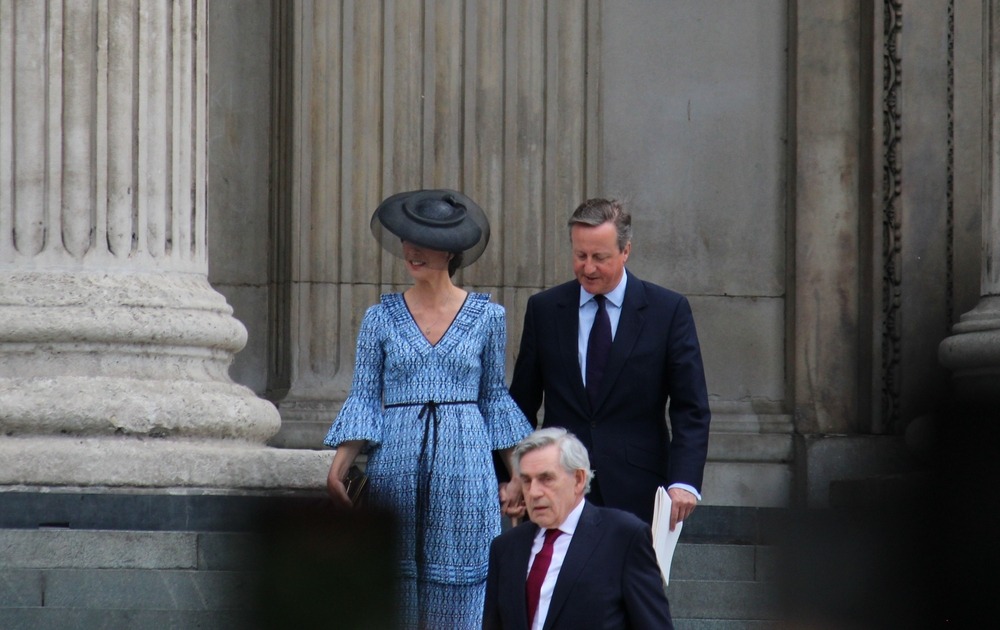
x: 594, y: 212
x: 572, y: 453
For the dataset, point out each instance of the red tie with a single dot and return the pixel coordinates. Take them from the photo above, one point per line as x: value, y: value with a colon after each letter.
x: 533, y: 587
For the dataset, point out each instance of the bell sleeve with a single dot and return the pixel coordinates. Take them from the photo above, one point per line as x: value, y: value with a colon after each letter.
x: 505, y: 422
x: 361, y: 416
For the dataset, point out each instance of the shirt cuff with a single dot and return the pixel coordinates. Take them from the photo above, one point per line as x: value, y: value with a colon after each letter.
x: 684, y: 486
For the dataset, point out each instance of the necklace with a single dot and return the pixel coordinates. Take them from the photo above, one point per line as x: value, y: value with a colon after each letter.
x: 427, y: 329
x: 445, y: 309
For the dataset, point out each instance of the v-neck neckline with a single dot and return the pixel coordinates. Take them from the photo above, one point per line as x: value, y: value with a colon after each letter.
x: 465, y: 319
x: 447, y: 329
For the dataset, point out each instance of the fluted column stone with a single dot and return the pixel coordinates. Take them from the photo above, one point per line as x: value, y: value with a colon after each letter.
x: 114, y: 348
x: 972, y: 352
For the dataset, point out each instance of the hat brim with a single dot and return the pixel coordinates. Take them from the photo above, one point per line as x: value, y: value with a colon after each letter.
x: 468, y: 232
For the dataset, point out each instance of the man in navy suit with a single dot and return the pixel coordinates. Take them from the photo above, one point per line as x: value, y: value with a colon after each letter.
x: 574, y: 565
x: 619, y: 411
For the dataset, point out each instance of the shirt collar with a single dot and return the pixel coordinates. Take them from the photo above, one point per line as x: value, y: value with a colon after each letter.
x: 616, y: 296
x: 572, y: 519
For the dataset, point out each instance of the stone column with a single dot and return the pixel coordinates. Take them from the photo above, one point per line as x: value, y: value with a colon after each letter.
x: 972, y: 352
x: 114, y: 348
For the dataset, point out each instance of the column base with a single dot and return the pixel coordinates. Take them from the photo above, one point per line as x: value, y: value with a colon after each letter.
x: 129, y: 463
x: 162, y: 408
x: 972, y: 354
x: 122, y: 353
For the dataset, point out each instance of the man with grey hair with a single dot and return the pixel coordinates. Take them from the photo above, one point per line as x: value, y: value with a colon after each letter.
x: 612, y: 356
x: 573, y: 565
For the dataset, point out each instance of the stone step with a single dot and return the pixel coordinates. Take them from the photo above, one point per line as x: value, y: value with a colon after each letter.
x: 112, y: 549
x: 722, y: 600
x: 245, y: 512
x: 83, y: 619
x: 150, y: 511
x: 119, y: 597
x: 744, y: 563
x: 219, y: 551
x: 108, y: 578
x: 129, y: 589
x: 728, y: 624
x: 87, y: 619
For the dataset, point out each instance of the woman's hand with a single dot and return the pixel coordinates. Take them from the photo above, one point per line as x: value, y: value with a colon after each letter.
x: 342, y: 460
x: 512, y: 500
x: 337, y: 490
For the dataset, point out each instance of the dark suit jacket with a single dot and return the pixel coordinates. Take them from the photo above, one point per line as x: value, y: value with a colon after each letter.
x: 655, y: 357
x: 609, y: 578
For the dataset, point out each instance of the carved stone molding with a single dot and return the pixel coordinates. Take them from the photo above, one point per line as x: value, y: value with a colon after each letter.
x: 891, y: 233
x: 950, y: 190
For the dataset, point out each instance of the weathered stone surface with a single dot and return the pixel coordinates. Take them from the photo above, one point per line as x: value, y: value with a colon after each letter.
x: 828, y: 458
x: 55, y: 548
x: 972, y: 353
x: 96, y: 353
x: 97, y: 619
x: 20, y: 588
x: 108, y: 325
x: 748, y: 484
x: 714, y: 562
x: 59, y: 461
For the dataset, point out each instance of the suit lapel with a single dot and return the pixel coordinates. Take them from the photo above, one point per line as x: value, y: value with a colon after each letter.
x: 520, y: 555
x: 630, y: 325
x: 585, y: 541
x: 568, y: 312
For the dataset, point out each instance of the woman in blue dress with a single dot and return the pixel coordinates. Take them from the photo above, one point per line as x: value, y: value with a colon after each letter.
x: 429, y: 405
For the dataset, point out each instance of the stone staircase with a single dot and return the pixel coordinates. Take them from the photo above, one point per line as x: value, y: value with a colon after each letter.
x: 219, y: 562
x: 723, y: 575
x: 52, y: 578
x: 721, y: 587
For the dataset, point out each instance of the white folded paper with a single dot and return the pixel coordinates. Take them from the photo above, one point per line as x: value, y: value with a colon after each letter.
x: 664, y: 540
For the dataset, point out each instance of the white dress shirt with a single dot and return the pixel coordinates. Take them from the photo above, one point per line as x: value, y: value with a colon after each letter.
x: 588, y: 312
x: 559, y: 548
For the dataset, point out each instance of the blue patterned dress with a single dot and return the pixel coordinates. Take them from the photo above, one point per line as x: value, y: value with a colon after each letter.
x: 432, y: 463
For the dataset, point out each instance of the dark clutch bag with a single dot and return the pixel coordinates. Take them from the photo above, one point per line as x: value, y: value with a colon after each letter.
x: 356, y: 484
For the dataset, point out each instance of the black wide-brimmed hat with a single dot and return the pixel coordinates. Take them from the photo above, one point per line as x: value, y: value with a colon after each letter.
x: 443, y: 220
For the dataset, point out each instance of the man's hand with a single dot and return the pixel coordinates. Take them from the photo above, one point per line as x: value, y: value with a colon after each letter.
x: 682, y: 503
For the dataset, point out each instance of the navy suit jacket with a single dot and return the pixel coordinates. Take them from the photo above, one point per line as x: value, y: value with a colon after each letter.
x: 609, y: 578
x: 655, y: 358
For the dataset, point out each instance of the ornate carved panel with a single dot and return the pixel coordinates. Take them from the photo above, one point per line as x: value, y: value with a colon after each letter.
x: 891, y: 231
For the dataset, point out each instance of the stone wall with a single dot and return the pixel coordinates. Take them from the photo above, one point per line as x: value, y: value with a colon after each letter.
x: 807, y: 174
